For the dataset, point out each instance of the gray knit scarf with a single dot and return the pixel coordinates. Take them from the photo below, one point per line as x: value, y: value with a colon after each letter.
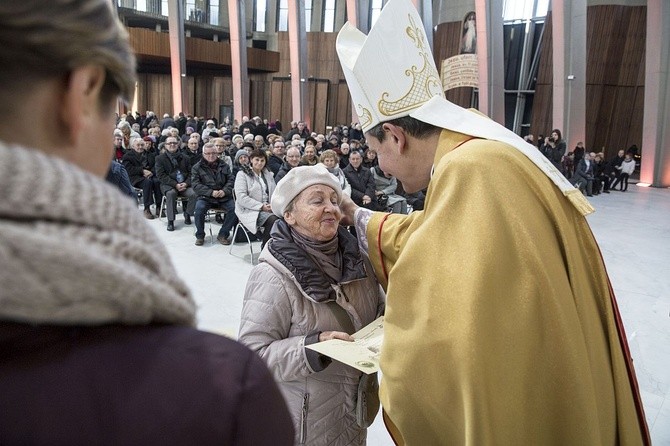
x: 75, y: 251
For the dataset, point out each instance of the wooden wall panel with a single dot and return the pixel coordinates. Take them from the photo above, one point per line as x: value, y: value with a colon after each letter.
x: 343, y: 101
x: 604, y: 117
x: 621, y: 119
x: 614, y: 78
x: 286, y: 105
x: 318, y: 97
x: 159, y: 93
x: 201, y: 95
x: 149, y: 43
x: 276, y: 101
x: 323, y: 68
x: 595, y: 93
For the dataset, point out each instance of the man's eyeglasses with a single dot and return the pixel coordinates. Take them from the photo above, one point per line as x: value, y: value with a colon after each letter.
x: 210, y: 153
x: 170, y: 143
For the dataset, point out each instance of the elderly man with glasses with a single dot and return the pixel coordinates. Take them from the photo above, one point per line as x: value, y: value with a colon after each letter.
x: 276, y: 159
x: 173, y: 170
x: 213, y: 181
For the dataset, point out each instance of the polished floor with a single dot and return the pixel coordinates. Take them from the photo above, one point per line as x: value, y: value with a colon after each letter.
x: 632, y: 228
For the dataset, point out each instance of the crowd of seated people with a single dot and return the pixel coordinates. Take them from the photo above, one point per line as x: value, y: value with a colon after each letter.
x: 591, y: 172
x: 197, y: 163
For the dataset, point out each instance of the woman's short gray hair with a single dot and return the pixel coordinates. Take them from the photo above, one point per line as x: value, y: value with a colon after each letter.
x: 48, y: 39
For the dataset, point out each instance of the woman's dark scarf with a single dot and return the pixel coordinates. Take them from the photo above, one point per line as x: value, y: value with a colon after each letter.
x: 317, y: 265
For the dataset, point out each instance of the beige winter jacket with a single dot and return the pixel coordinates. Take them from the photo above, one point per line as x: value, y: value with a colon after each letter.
x: 277, y: 317
x: 249, y: 197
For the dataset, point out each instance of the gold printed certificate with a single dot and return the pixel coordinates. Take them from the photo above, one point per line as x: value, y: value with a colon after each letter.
x: 363, y: 353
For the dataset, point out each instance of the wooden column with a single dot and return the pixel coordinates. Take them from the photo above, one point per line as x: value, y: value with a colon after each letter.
x: 238, y: 58
x: 490, y: 59
x: 569, y: 69
x: 177, y: 55
x: 655, y: 168
x: 297, y: 36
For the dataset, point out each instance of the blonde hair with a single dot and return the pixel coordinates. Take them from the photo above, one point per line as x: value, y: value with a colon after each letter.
x: 46, y: 40
x: 329, y: 154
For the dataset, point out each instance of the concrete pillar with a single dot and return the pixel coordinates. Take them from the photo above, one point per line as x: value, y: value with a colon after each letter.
x: 425, y: 8
x: 490, y: 59
x: 655, y: 168
x: 317, y: 14
x: 297, y: 36
x: 358, y: 14
x: 569, y: 69
x: 238, y: 58
x: 177, y: 55
x: 341, y: 15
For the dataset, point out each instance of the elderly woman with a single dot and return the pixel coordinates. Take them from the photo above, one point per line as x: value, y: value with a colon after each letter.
x: 241, y: 159
x: 312, y: 284
x: 309, y: 158
x: 254, y: 186
x: 332, y: 162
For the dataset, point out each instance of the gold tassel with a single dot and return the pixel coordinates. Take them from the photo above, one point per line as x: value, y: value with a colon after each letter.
x: 579, y: 201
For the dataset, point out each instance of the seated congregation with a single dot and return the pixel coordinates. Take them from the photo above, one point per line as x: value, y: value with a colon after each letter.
x: 227, y: 173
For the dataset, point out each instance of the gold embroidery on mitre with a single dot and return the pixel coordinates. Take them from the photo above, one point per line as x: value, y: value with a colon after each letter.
x: 416, y: 34
x: 422, y: 80
x: 419, y: 92
x: 364, y: 116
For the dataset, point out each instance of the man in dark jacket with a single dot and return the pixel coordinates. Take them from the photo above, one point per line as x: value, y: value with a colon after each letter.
x: 300, y: 129
x: 292, y: 159
x: 276, y: 160
x: 361, y: 181
x: 601, y: 182
x: 173, y: 170
x: 615, y: 162
x: 192, y: 151
x: 213, y: 182
x: 181, y: 123
x: 167, y: 122
x: 118, y: 176
x: 140, y: 167
x: 260, y: 128
x: 583, y: 177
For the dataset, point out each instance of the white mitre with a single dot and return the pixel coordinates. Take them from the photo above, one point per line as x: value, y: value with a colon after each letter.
x: 391, y: 73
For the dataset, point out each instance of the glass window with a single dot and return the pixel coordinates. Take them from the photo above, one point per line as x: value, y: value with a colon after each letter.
x: 375, y: 9
x: 541, y: 8
x: 164, y: 7
x: 260, y: 10
x: 214, y: 12
x: 523, y: 9
x: 282, y: 16
x: 329, y: 16
x: 190, y: 10
x: 308, y: 15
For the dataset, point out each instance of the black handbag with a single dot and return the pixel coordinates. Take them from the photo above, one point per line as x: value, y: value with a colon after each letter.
x: 382, y: 201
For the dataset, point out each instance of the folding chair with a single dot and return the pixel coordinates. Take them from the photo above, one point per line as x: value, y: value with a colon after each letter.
x: 164, y: 203
x: 211, y: 215
x: 253, y: 258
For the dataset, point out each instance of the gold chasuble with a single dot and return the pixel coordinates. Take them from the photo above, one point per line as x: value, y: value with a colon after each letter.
x: 500, y: 327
